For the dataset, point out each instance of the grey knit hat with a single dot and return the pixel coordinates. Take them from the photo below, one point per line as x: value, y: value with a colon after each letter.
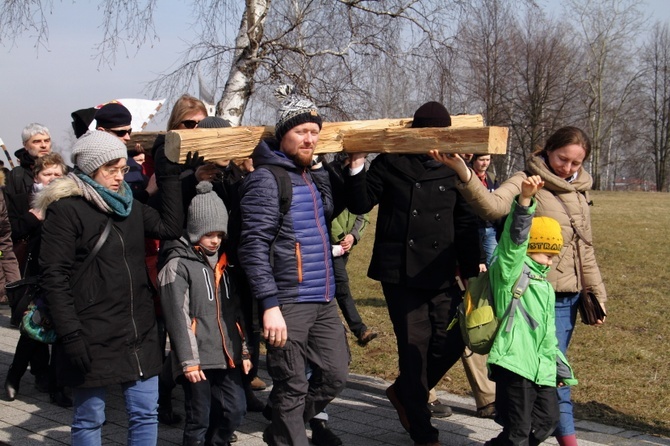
x: 294, y: 110
x: 206, y: 213
x: 96, y: 148
x: 213, y: 122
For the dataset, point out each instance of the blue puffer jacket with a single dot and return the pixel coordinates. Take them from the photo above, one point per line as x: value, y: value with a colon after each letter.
x: 297, y: 267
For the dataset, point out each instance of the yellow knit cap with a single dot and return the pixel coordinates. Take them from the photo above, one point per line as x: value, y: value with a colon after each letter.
x: 545, y: 236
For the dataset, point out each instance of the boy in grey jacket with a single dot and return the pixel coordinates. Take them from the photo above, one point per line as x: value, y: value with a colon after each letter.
x: 204, y: 320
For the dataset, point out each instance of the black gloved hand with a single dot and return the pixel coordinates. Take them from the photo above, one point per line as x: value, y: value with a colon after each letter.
x: 76, y: 349
x: 193, y: 161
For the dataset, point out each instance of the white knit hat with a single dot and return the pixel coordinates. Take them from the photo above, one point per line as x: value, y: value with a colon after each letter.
x: 95, y: 149
x: 206, y: 213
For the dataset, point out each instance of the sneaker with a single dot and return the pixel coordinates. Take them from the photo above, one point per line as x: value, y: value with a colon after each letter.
x: 439, y: 409
x: 233, y: 438
x: 367, y: 336
x: 393, y: 398
x: 488, y: 411
x: 322, y: 435
x: 258, y: 384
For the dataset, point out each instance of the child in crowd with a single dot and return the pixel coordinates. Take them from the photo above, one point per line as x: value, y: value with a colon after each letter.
x: 525, y: 361
x: 204, y: 320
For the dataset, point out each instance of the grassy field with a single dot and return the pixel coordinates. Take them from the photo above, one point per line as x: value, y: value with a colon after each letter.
x: 623, y: 367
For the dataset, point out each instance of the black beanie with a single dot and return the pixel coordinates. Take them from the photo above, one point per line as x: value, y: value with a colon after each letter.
x: 81, y: 119
x: 113, y: 115
x: 213, y: 122
x: 431, y: 114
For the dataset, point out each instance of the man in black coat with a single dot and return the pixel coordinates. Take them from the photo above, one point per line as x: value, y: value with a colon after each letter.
x: 423, y: 231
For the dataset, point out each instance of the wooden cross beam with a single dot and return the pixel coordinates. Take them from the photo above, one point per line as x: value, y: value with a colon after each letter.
x: 466, y: 135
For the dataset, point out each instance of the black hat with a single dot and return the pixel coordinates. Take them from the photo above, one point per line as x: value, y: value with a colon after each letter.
x: 431, y: 114
x: 81, y: 119
x: 112, y: 115
x: 213, y: 122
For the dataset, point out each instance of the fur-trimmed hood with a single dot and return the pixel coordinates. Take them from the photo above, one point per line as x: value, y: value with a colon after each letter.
x: 59, y: 188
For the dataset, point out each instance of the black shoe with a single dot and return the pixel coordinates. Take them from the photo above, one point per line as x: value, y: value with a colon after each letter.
x: 439, y: 409
x: 367, y: 336
x: 322, y: 435
x: 11, y: 389
x: 42, y: 383
x: 267, y: 435
x: 60, y: 399
x: 233, y: 438
x: 167, y: 416
x: 488, y: 411
x: 267, y: 412
x: 253, y: 403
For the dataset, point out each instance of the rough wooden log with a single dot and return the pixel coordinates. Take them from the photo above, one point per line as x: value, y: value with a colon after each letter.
x: 239, y: 142
x: 146, y: 139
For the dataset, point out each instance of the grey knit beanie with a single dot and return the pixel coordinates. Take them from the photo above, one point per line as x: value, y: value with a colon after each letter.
x: 96, y: 148
x: 206, y: 213
x: 294, y: 110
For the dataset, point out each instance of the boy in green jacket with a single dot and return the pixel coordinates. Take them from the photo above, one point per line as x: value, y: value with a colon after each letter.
x: 525, y: 361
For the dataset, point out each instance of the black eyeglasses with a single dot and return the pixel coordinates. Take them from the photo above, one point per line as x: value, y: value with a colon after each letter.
x: 120, y: 133
x: 190, y: 123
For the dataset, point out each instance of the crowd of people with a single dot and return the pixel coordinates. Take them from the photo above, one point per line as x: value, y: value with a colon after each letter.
x: 132, y: 249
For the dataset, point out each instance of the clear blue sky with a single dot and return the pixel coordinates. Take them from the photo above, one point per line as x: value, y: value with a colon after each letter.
x: 45, y: 86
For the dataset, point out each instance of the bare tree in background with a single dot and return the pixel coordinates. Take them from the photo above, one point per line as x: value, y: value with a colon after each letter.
x: 656, y: 101
x: 608, y: 28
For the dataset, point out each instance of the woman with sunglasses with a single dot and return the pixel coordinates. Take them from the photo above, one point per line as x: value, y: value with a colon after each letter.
x: 105, y: 322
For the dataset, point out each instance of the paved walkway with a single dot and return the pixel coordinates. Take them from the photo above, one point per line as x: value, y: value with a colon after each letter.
x: 360, y: 416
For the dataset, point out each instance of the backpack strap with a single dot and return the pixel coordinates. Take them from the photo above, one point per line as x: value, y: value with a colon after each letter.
x: 285, y: 193
x: 520, y: 287
x: 87, y: 261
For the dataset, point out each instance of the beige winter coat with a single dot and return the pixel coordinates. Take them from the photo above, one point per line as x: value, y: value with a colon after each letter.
x: 564, y: 274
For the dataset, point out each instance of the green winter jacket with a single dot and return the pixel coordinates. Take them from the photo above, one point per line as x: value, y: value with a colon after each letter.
x: 529, y: 352
x: 348, y: 223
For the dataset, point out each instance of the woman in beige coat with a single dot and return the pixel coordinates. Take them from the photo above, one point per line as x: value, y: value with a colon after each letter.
x: 564, y: 198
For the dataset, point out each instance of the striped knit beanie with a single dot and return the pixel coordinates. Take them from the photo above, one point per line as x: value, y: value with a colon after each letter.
x: 294, y: 110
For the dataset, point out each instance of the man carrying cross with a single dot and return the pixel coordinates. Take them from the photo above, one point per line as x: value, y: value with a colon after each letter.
x: 287, y: 258
x: 423, y: 231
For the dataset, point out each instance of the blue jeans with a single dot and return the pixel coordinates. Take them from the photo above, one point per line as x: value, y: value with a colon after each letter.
x: 487, y: 237
x: 566, y: 315
x: 141, y: 407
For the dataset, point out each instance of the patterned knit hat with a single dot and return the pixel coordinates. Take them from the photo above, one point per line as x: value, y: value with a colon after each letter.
x: 206, y: 213
x: 294, y: 110
x: 96, y: 148
x: 112, y: 115
x: 545, y: 236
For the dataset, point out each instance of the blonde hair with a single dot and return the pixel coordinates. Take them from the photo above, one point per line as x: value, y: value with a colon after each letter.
x: 185, y: 105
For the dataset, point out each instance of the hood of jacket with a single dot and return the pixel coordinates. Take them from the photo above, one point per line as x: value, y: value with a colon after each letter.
x: 267, y: 152
x: 25, y: 160
x: 180, y: 248
x: 59, y: 188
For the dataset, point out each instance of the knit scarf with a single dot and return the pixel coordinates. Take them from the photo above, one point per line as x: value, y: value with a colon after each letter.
x: 109, y: 202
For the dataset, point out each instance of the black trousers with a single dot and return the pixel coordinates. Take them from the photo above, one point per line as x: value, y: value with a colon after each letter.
x: 527, y: 412
x: 426, y: 349
x: 344, y: 298
x: 29, y: 351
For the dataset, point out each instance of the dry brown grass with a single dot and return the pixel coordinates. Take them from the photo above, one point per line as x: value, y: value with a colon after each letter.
x: 623, y: 368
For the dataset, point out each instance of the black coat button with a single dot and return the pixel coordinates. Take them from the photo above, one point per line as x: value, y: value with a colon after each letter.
x: 411, y: 243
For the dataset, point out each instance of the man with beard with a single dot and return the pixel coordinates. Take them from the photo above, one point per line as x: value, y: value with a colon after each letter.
x: 287, y: 258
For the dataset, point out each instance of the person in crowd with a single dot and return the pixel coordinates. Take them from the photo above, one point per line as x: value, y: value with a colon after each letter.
x: 564, y: 197
x: 187, y: 112
x: 346, y: 231
x: 227, y: 176
x: 36, y: 143
x: 106, y: 323
x: 525, y: 360
x: 9, y: 270
x: 26, y: 224
x: 423, y: 231
x: 487, y: 229
x: 203, y: 316
x: 289, y: 258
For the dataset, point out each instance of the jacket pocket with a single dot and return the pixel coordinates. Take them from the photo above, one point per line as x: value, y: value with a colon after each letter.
x: 298, y: 257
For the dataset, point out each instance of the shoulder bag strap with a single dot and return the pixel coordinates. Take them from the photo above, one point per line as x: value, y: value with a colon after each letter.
x: 579, y: 236
x: 101, y: 241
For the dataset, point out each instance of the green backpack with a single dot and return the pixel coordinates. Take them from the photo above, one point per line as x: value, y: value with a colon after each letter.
x: 476, y: 314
